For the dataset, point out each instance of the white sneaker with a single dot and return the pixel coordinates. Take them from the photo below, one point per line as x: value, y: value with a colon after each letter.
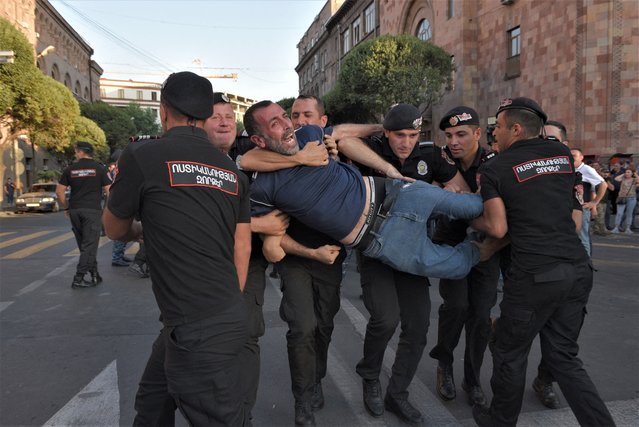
x: 615, y: 230
x: 628, y: 231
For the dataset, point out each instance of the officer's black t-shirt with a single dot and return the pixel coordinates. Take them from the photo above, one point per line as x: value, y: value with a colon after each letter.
x: 536, y: 180
x: 86, y: 177
x: 453, y: 231
x: 189, y: 197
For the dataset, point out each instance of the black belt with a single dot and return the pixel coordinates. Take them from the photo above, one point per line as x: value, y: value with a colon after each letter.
x: 386, y: 191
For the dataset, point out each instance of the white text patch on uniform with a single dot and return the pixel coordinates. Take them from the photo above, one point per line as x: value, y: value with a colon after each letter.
x: 192, y: 174
x: 82, y: 173
x: 534, y: 168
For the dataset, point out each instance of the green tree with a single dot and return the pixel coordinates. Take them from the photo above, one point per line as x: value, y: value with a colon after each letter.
x: 87, y: 130
x: 115, y: 122
x: 287, y: 104
x: 31, y: 101
x: 390, y: 69
x: 143, y: 120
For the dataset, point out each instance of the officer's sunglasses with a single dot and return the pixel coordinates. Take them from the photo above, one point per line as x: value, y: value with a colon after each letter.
x: 551, y: 138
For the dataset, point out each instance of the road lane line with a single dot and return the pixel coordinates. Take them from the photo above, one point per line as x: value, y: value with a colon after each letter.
x: 76, y: 252
x: 610, y: 245
x: 97, y: 404
x: 6, y: 233
x: 24, y: 238
x: 39, y: 247
x: 4, y: 304
x: 37, y: 283
x: 432, y: 409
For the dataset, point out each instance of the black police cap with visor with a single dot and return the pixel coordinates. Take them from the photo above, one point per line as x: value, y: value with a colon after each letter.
x: 403, y: 116
x: 189, y: 94
x: 459, y: 116
x: 522, y: 103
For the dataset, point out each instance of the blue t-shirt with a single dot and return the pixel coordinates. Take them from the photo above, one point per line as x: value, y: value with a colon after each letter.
x: 329, y: 199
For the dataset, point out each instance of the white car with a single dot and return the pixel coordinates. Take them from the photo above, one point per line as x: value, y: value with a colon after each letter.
x: 41, y: 197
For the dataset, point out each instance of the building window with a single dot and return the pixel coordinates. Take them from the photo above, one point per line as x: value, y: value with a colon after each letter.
x: 346, y: 41
x: 121, y: 93
x: 453, y: 74
x: 138, y: 94
x: 67, y: 81
x: 86, y: 93
x: 55, y: 72
x: 514, y: 50
x: 78, y: 89
x: 356, y: 31
x: 424, y: 31
x: 451, y: 8
x: 154, y: 96
x: 369, y: 18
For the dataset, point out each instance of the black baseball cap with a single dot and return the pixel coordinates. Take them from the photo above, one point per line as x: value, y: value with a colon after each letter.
x: 190, y: 94
x: 403, y: 116
x: 459, y: 116
x: 220, y: 97
x: 84, y: 146
x: 522, y: 103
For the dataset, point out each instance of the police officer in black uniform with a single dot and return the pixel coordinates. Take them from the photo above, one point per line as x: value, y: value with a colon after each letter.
x: 194, y: 206
x: 528, y: 192
x: 391, y: 296
x: 88, y: 180
x: 467, y: 302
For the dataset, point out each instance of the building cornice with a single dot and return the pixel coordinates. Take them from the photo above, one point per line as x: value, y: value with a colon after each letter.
x: 45, y: 5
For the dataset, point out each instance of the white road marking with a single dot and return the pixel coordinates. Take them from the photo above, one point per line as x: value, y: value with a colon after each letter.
x: 37, y: 283
x: 5, y: 304
x: 97, y: 404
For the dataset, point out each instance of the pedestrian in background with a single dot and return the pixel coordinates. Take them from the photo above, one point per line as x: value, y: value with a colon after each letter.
x: 9, y: 191
x: 626, y: 200
x: 89, y: 181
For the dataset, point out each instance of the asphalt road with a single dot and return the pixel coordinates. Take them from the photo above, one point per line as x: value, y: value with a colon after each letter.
x: 74, y: 357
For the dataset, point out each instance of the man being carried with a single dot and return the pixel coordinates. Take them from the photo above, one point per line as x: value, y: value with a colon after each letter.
x: 381, y: 217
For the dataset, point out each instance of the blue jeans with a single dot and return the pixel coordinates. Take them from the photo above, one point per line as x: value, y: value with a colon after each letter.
x: 625, y: 213
x: 117, y: 254
x: 402, y: 241
x: 584, y: 231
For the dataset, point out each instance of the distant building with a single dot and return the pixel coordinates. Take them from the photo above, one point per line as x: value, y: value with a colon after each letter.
x: 578, y: 58
x: 60, y: 53
x: 121, y: 93
x: 69, y: 62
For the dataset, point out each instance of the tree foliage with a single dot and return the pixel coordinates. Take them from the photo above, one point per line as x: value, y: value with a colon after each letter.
x: 87, y: 130
x: 31, y: 101
x: 390, y: 69
x: 119, y: 124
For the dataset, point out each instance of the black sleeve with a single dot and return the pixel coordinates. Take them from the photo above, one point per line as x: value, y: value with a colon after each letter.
x: 126, y: 191
x: 104, y: 176
x: 64, y: 179
x: 489, y: 184
x: 245, y: 200
x: 444, y: 168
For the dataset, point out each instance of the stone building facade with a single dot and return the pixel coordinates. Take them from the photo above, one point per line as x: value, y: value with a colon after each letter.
x: 69, y: 63
x: 578, y: 58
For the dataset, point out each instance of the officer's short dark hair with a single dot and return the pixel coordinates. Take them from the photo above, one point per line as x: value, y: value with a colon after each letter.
x: 320, y: 104
x: 530, y: 122
x: 577, y: 149
x: 250, y: 124
x: 561, y: 127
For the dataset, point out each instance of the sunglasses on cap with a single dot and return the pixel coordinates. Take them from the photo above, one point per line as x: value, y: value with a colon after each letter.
x: 551, y: 138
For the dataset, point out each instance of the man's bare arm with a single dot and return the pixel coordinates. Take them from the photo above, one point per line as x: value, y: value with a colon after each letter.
x: 356, y: 150
x: 577, y: 217
x: 60, y: 191
x: 258, y: 159
x: 325, y: 254
x: 123, y: 229
x: 493, y: 221
x: 346, y: 130
x: 242, y: 251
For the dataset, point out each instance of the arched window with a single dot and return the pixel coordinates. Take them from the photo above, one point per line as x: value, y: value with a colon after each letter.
x: 55, y: 72
x: 78, y: 88
x: 67, y: 81
x: 86, y: 94
x: 424, y: 32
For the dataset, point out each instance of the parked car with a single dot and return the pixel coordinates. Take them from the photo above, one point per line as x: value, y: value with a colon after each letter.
x: 41, y: 197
